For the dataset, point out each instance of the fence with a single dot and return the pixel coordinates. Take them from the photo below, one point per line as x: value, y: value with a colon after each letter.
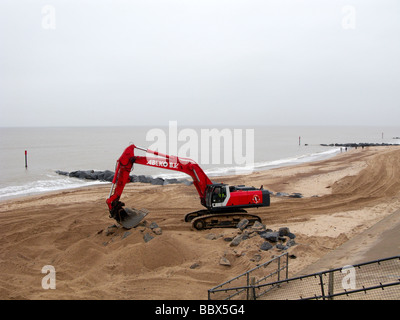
x: 242, y: 286
x: 373, y: 280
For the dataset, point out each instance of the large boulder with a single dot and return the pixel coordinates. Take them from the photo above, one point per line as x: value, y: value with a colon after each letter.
x: 157, y: 181
x: 242, y: 224
x: 284, y: 231
x: 272, y: 236
x: 265, y: 246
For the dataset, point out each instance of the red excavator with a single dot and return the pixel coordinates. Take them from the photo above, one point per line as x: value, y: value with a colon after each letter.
x: 225, y: 205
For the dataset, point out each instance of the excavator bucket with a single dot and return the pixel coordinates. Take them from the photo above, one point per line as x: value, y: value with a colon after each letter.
x: 130, y: 217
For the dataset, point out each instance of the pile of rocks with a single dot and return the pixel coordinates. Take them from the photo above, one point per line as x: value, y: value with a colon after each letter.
x: 355, y: 145
x: 148, y: 235
x: 108, y: 176
x: 285, y: 194
x: 148, y: 230
x: 281, y: 239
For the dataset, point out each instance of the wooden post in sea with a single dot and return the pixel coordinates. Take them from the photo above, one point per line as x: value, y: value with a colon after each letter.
x: 26, y: 159
x: 299, y: 140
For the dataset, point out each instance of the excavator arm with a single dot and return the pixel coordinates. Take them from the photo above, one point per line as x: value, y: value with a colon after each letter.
x: 191, y: 168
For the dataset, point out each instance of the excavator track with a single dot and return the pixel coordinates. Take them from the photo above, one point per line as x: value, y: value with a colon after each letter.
x: 192, y: 215
x: 222, y: 220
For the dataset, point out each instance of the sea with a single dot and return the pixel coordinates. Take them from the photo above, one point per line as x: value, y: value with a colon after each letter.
x: 219, y: 150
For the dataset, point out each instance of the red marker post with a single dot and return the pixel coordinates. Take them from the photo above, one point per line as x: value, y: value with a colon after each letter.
x: 26, y: 159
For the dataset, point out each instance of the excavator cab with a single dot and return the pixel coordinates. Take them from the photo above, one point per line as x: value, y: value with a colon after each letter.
x: 216, y: 195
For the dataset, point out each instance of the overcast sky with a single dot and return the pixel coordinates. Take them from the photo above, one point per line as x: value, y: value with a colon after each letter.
x: 231, y: 62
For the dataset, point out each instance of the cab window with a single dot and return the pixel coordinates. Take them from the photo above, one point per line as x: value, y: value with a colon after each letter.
x: 218, y: 195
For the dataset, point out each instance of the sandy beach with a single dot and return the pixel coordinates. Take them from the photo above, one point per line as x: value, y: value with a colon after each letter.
x: 342, y: 197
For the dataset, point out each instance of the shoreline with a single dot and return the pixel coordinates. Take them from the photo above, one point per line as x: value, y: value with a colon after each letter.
x: 343, y: 196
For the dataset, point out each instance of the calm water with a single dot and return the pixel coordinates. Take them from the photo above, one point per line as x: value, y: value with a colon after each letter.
x: 98, y: 148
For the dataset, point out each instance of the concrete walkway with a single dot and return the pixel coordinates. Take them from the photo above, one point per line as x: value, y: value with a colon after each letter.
x: 380, y: 241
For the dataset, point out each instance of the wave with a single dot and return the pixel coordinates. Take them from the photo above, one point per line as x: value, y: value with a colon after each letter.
x: 42, y: 186
x: 299, y: 159
x: 260, y: 166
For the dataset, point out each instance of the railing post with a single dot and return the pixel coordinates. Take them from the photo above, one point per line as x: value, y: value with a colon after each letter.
x: 287, y: 265
x: 322, y: 286
x: 330, y: 285
x: 279, y: 268
x: 248, y: 283
x: 253, y: 288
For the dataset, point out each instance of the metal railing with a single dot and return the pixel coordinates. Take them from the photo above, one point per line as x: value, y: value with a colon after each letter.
x: 373, y: 280
x: 242, y: 286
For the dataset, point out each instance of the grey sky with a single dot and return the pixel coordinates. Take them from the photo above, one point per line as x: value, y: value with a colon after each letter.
x: 283, y: 62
